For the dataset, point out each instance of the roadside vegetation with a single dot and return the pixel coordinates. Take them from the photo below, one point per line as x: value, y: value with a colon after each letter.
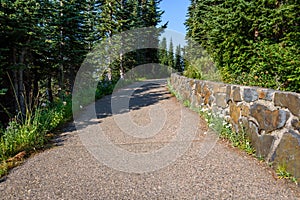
x: 33, y: 132
x: 254, y: 43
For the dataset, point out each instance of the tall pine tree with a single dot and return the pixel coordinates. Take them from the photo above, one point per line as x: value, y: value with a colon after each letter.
x: 171, y: 54
x: 178, y: 63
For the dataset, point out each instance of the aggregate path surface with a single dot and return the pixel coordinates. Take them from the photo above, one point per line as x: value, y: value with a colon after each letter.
x: 214, y: 171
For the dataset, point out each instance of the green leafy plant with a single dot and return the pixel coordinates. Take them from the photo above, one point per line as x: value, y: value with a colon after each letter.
x: 282, y: 173
x: 193, y: 71
x: 187, y: 103
x: 3, y: 168
x: 3, y: 91
x: 29, y: 133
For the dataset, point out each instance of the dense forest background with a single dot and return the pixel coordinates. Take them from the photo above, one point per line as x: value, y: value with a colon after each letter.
x: 251, y: 42
x: 44, y: 42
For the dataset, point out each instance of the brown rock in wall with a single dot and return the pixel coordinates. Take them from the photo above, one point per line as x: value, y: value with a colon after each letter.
x: 235, y: 112
x: 288, y: 153
x: 198, y: 88
x: 191, y: 82
x: 220, y: 87
x: 199, y: 100
x: 228, y: 92
x: 206, y: 94
x: 268, y: 120
x: 265, y: 94
x: 288, y: 100
x: 296, y: 124
x: 236, y: 94
x: 245, y: 110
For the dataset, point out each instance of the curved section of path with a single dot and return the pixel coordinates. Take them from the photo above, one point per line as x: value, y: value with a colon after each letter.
x: 70, y: 171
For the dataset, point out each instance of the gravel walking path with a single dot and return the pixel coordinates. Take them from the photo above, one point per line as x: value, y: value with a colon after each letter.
x: 71, y: 170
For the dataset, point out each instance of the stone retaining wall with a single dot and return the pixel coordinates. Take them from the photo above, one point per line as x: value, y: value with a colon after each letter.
x: 270, y: 117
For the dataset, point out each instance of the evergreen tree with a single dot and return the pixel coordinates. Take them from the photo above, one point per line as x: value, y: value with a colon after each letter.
x: 178, y: 63
x: 171, y: 54
x: 20, y: 40
x: 163, y: 52
x: 184, y: 58
x: 252, y: 42
x: 44, y: 42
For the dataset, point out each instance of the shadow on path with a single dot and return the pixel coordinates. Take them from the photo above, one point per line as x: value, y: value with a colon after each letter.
x: 132, y: 97
x: 123, y: 100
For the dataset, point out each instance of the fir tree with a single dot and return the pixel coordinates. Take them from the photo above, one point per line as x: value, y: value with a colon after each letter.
x: 171, y: 54
x: 251, y: 42
x: 163, y: 52
x: 178, y: 64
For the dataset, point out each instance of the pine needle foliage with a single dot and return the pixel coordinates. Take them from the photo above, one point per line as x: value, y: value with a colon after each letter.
x: 251, y: 42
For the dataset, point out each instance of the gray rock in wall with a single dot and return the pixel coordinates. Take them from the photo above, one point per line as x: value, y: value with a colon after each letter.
x: 221, y: 100
x: 250, y: 94
x: 288, y: 100
x: 261, y: 143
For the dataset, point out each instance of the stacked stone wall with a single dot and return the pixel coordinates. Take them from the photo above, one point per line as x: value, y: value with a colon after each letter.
x: 271, y: 118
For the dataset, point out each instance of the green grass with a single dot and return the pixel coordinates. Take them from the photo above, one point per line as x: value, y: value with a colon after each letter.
x: 282, y: 173
x: 30, y: 133
x: 187, y: 103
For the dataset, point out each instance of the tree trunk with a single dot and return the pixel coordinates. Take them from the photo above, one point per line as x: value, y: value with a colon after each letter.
x: 16, y: 91
x: 122, y: 71
x: 35, y: 91
x: 15, y: 81
x: 21, y: 92
x: 61, y: 57
x: 21, y: 85
x: 49, y: 89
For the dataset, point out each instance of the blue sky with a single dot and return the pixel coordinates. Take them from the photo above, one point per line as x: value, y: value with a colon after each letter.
x: 175, y: 13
